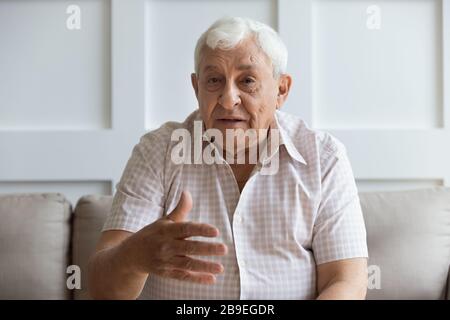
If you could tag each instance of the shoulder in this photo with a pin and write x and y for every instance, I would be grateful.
(155, 145)
(160, 139)
(313, 144)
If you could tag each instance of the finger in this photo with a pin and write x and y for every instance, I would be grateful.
(184, 275)
(201, 248)
(183, 207)
(190, 264)
(181, 230)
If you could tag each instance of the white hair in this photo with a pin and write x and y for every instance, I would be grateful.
(226, 33)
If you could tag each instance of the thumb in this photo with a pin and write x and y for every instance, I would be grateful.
(183, 207)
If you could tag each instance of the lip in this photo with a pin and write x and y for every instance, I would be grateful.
(231, 119)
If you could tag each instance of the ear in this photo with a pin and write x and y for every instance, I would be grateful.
(284, 85)
(194, 82)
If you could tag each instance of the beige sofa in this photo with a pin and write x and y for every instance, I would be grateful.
(40, 236)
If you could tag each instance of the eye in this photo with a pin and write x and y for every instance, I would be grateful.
(248, 81)
(213, 80)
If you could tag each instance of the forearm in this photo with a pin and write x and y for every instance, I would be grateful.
(111, 275)
(343, 290)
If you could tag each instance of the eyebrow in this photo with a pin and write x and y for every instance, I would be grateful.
(240, 67)
(210, 67)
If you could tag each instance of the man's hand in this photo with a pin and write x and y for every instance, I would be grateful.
(123, 260)
(161, 248)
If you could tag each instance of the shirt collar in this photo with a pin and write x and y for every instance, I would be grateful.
(284, 138)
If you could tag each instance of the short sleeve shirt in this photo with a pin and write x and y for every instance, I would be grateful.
(278, 229)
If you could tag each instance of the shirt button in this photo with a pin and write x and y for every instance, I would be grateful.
(238, 219)
(242, 264)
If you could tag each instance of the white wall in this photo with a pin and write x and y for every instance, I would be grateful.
(73, 102)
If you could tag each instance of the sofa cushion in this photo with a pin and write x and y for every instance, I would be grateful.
(89, 216)
(408, 234)
(34, 246)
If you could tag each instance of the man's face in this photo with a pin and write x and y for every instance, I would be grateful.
(237, 89)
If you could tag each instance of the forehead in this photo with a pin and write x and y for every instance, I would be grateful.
(246, 55)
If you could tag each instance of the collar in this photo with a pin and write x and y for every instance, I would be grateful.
(284, 139)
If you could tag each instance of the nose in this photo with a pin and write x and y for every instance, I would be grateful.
(229, 97)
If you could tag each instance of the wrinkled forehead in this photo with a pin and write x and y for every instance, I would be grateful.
(246, 55)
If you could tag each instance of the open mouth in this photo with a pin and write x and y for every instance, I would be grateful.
(231, 120)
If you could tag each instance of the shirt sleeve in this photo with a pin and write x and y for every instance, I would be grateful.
(339, 231)
(139, 198)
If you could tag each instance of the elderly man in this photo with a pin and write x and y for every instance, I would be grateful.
(226, 229)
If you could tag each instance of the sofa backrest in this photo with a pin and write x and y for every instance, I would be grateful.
(34, 246)
(408, 235)
(89, 216)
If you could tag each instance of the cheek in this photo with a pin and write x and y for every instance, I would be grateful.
(207, 103)
(261, 111)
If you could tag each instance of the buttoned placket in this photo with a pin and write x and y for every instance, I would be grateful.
(238, 223)
(238, 220)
